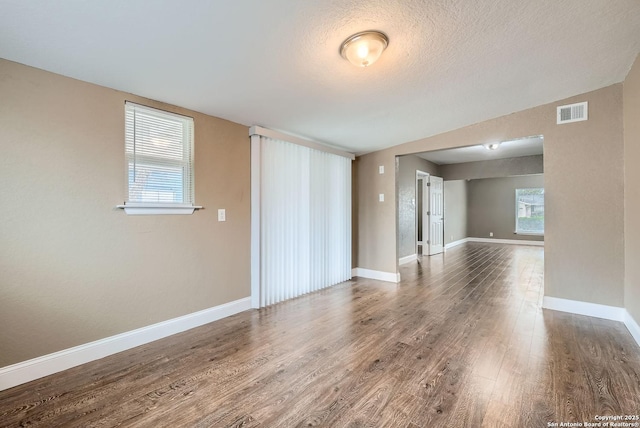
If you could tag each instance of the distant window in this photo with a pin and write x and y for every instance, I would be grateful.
(530, 211)
(159, 156)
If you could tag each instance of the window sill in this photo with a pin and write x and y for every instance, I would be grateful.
(528, 233)
(158, 209)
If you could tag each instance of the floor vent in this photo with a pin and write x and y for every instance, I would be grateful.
(573, 113)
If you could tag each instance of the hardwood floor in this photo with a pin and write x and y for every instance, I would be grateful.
(461, 342)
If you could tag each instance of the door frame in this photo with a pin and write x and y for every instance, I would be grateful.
(424, 176)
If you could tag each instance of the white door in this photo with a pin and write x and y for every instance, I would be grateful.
(436, 215)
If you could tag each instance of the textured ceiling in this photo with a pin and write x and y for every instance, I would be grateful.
(276, 63)
(528, 146)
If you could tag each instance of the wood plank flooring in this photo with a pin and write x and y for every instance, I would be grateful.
(461, 342)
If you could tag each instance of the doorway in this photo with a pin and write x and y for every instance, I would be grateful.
(429, 214)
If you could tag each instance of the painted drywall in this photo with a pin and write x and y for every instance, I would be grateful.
(632, 190)
(492, 206)
(376, 245)
(354, 213)
(523, 165)
(583, 254)
(455, 211)
(407, 204)
(73, 267)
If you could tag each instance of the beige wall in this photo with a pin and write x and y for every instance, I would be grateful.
(376, 221)
(407, 204)
(632, 190)
(455, 211)
(354, 213)
(523, 165)
(492, 206)
(583, 254)
(73, 268)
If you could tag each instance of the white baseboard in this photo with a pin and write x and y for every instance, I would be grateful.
(407, 259)
(376, 274)
(613, 313)
(36, 368)
(632, 326)
(506, 241)
(493, 241)
(456, 243)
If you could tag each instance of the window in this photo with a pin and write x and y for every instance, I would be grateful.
(159, 160)
(530, 211)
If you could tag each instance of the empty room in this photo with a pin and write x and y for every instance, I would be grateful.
(330, 213)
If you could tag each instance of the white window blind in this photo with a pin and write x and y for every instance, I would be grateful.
(304, 219)
(159, 157)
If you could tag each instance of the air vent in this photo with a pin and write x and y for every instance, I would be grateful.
(573, 113)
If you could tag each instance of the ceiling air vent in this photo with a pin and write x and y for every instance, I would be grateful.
(573, 113)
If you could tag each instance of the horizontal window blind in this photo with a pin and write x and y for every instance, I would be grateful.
(159, 156)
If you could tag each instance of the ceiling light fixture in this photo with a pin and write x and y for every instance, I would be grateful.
(363, 49)
(491, 146)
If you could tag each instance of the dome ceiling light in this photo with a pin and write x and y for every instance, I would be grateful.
(492, 146)
(364, 48)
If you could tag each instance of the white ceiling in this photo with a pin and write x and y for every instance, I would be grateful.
(276, 63)
(528, 146)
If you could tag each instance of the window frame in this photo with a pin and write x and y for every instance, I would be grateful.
(186, 163)
(516, 229)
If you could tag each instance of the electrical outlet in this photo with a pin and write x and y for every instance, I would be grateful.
(381, 197)
(490, 234)
(381, 169)
(222, 215)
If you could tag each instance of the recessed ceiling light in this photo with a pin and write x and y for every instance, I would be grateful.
(492, 146)
(363, 49)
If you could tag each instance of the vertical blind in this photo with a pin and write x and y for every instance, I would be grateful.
(305, 220)
(159, 156)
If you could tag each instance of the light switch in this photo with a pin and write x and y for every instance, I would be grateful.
(381, 197)
(222, 215)
(381, 169)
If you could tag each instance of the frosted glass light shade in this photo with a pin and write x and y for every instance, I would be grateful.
(363, 49)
